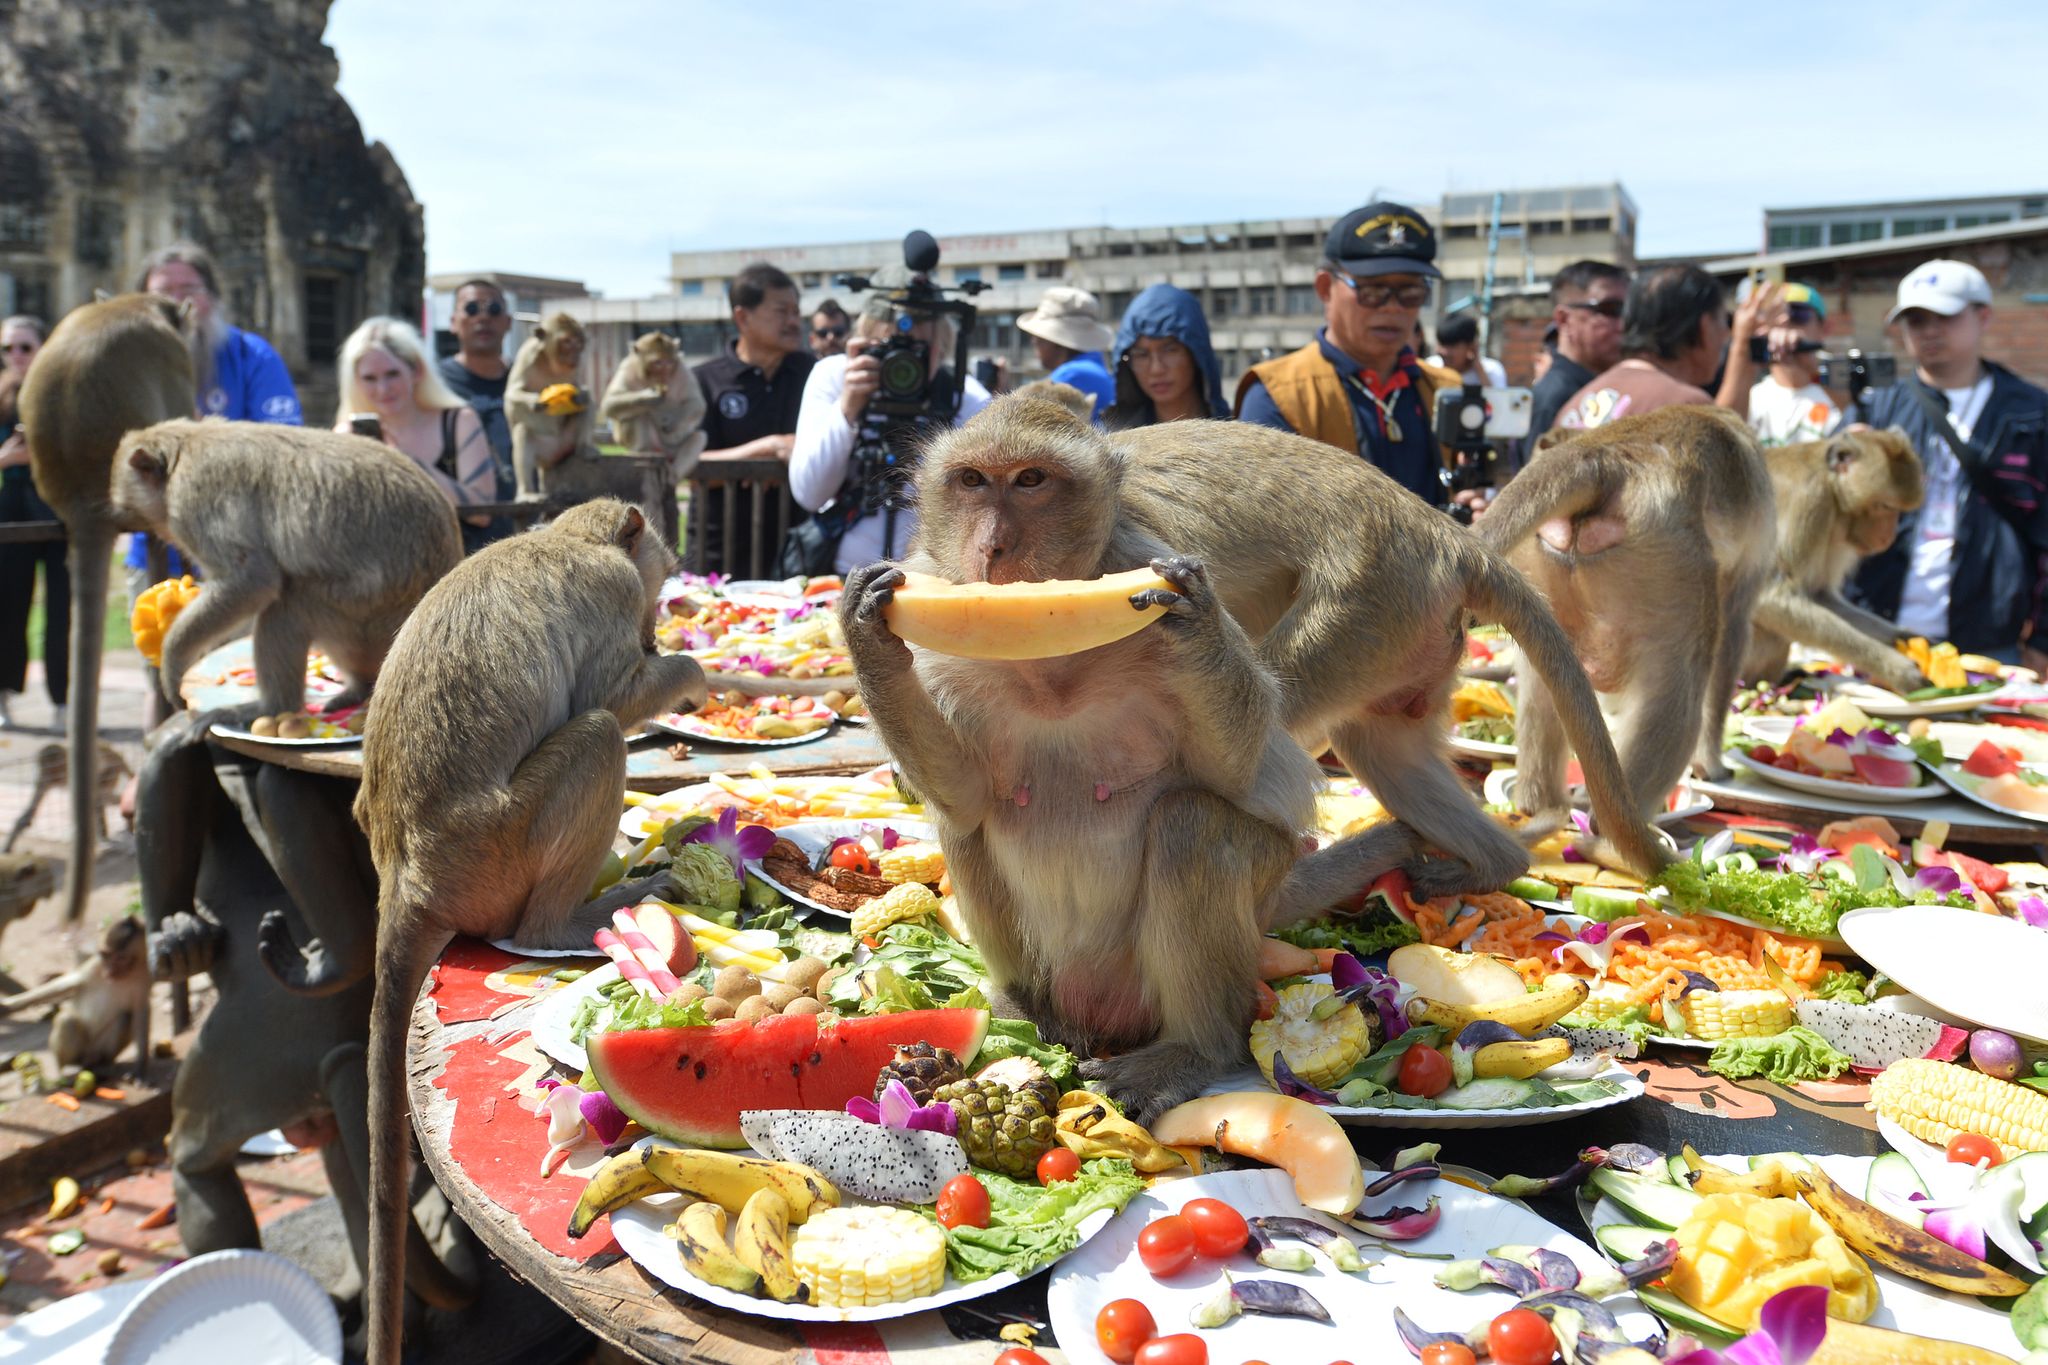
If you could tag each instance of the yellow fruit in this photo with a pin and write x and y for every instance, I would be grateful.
(1319, 1051)
(1737, 1250)
(861, 1257)
(155, 608)
(559, 400)
(1020, 620)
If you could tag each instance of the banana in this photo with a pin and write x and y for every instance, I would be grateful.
(1858, 1343)
(620, 1181)
(761, 1241)
(1526, 1014)
(65, 1198)
(700, 1238)
(1520, 1060)
(1772, 1180)
(729, 1180)
(1899, 1246)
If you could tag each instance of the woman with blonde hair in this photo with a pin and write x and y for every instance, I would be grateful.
(384, 372)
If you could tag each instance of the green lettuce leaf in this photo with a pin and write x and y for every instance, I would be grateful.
(1797, 1054)
(1030, 1224)
(1019, 1038)
(617, 1008)
(1366, 936)
(1850, 987)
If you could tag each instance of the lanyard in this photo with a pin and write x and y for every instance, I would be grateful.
(1385, 406)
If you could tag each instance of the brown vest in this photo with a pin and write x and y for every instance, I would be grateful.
(1311, 394)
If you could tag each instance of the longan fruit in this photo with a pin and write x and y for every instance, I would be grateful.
(689, 991)
(752, 1008)
(735, 983)
(803, 1004)
(825, 980)
(778, 995)
(805, 973)
(294, 727)
(717, 1007)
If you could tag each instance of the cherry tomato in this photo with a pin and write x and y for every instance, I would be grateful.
(1182, 1348)
(1424, 1072)
(1219, 1229)
(1764, 753)
(1122, 1327)
(1972, 1148)
(1167, 1245)
(1520, 1337)
(853, 856)
(1448, 1353)
(1017, 1355)
(1057, 1165)
(963, 1203)
(1789, 762)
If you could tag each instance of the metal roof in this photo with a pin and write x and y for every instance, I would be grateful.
(1885, 246)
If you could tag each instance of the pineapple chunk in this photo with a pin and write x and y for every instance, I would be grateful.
(1738, 1250)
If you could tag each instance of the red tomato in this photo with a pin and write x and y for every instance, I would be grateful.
(1122, 1327)
(1763, 753)
(1167, 1245)
(1520, 1337)
(1219, 1229)
(1017, 1355)
(1057, 1165)
(1971, 1148)
(853, 856)
(963, 1203)
(1787, 762)
(1182, 1348)
(1424, 1072)
(1448, 1353)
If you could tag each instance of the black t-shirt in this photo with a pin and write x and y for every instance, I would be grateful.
(742, 404)
(1565, 378)
(468, 384)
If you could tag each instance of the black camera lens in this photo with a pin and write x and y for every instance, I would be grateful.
(903, 374)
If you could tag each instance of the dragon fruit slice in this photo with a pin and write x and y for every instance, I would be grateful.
(865, 1160)
(1875, 1038)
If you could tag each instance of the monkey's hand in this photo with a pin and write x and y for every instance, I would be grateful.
(185, 944)
(1900, 674)
(311, 970)
(870, 589)
(1190, 604)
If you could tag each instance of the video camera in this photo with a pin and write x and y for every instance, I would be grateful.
(910, 399)
(1469, 423)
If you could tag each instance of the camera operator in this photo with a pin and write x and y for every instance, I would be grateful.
(1788, 405)
(834, 408)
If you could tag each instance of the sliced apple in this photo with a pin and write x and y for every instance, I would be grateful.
(669, 937)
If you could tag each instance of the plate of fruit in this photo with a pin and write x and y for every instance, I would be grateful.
(1482, 719)
(1841, 751)
(753, 723)
(1957, 683)
(301, 729)
(847, 867)
(1489, 653)
(1994, 776)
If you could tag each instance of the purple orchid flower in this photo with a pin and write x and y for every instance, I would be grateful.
(2034, 911)
(1352, 978)
(1790, 1329)
(605, 1119)
(898, 1108)
(1596, 944)
(1938, 879)
(741, 846)
(1805, 855)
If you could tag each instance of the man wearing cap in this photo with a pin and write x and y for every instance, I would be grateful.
(1068, 332)
(1788, 405)
(1967, 566)
(1359, 386)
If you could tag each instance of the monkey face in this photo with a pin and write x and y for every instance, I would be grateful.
(661, 371)
(1874, 530)
(566, 350)
(141, 480)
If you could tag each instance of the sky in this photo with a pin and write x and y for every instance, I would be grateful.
(589, 141)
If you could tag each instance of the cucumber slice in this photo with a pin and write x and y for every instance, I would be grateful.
(1653, 1201)
(1680, 1173)
(1530, 889)
(1679, 1314)
(1629, 1241)
(1892, 1179)
(1791, 1161)
(1604, 902)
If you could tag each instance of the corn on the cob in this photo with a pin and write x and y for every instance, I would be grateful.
(909, 900)
(1605, 1003)
(1319, 1051)
(1714, 1015)
(911, 863)
(860, 1257)
(1936, 1100)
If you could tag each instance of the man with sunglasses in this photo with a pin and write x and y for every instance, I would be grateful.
(1586, 299)
(1359, 386)
(477, 373)
(829, 329)
(1788, 405)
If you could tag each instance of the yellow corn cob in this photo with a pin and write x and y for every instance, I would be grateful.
(1605, 1003)
(1936, 1100)
(911, 863)
(909, 900)
(1319, 1051)
(1714, 1015)
(861, 1257)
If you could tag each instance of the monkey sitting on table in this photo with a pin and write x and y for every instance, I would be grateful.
(542, 439)
(1839, 500)
(1120, 824)
(326, 539)
(1652, 537)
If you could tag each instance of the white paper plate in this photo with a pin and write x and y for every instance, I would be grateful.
(229, 1306)
(1877, 701)
(1479, 748)
(550, 1022)
(226, 731)
(684, 725)
(1473, 1223)
(1984, 968)
(1251, 1079)
(1828, 786)
(682, 800)
(1905, 1305)
(1499, 789)
(638, 1230)
(1965, 785)
(815, 836)
(1959, 738)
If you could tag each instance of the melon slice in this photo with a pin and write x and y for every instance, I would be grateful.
(1020, 620)
(691, 1084)
(1281, 1131)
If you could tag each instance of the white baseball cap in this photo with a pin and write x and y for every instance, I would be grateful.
(1944, 287)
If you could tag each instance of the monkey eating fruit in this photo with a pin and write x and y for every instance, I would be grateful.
(105, 1002)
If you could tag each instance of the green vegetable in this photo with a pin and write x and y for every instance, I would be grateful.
(1808, 906)
(65, 1242)
(1364, 936)
(703, 876)
(1488, 730)
(915, 967)
(1849, 987)
(2030, 1317)
(1634, 1021)
(1797, 1054)
(758, 895)
(618, 1008)
(1382, 1066)
(1030, 1224)
(1019, 1038)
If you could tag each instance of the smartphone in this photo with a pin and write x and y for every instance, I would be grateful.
(366, 424)
(1493, 414)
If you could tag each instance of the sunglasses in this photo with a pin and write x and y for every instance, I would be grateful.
(1799, 314)
(1606, 308)
(829, 332)
(19, 346)
(472, 308)
(1380, 295)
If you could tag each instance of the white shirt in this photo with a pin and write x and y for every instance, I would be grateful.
(1781, 417)
(1491, 373)
(822, 448)
(1923, 605)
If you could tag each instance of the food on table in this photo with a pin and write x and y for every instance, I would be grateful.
(911, 861)
(878, 879)
(734, 716)
(799, 641)
(761, 797)
(1320, 1050)
(1058, 1165)
(1997, 1054)
(1488, 645)
(155, 608)
(963, 1203)
(922, 1068)
(1268, 1298)
(1993, 773)
(1735, 1251)
(725, 1179)
(847, 706)
(1974, 1149)
(1520, 1337)
(1167, 1245)
(1840, 743)
(761, 1241)
(1219, 1229)
(1006, 1117)
(1020, 620)
(1898, 1246)
(1950, 673)
(862, 1257)
(1424, 1071)
(1121, 1327)
(1292, 1134)
(692, 1083)
(1711, 1015)
(1875, 1038)
(1453, 978)
(1483, 711)
(699, 1231)
(901, 901)
(1935, 1101)
(869, 1161)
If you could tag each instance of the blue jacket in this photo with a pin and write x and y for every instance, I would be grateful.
(2001, 537)
(1087, 373)
(1163, 311)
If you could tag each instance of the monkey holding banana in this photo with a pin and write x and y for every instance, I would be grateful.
(324, 538)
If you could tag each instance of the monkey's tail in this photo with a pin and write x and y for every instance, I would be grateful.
(406, 948)
(91, 547)
(1567, 487)
(1498, 592)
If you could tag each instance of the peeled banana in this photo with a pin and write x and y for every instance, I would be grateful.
(1858, 1343)
(1899, 1246)
(761, 1241)
(1527, 1014)
(700, 1239)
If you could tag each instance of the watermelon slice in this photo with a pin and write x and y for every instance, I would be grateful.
(1989, 760)
(690, 1084)
(1885, 772)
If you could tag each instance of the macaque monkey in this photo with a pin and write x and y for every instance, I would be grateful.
(656, 406)
(105, 1002)
(1652, 537)
(109, 368)
(50, 770)
(1356, 595)
(1121, 824)
(493, 767)
(324, 538)
(1839, 500)
(542, 439)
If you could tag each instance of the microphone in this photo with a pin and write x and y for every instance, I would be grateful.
(920, 251)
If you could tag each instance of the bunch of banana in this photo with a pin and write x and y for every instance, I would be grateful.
(1527, 1014)
(756, 1263)
(1899, 1246)
(724, 1179)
